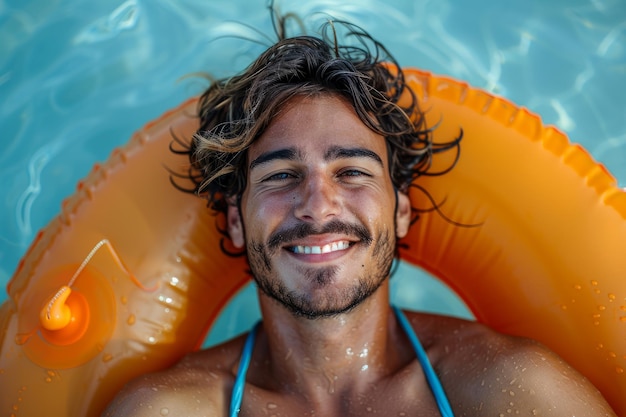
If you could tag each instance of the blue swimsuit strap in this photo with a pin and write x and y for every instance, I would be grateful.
(240, 381)
(429, 372)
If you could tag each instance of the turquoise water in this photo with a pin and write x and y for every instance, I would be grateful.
(77, 78)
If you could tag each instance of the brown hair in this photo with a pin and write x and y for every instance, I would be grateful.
(235, 111)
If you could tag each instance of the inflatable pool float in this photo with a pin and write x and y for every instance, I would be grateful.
(130, 275)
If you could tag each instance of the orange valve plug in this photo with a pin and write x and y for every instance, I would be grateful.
(65, 317)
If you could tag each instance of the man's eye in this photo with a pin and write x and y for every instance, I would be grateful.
(352, 173)
(280, 176)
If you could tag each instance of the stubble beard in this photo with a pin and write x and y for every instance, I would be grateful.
(332, 302)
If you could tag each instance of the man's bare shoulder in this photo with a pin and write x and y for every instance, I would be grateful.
(488, 373)
(199, 385)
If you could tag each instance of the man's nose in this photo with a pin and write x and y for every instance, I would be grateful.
(318, 200)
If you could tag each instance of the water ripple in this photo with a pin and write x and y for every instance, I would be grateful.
(123, 18)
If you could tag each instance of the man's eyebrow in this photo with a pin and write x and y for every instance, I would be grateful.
(287, 153)
(338, 152)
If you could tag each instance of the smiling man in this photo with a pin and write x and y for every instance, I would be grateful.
(309, 157)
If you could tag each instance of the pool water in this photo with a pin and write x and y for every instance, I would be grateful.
(77, 78)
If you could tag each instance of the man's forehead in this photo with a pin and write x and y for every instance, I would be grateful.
(317, 125)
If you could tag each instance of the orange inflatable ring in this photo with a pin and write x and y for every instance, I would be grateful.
(129, 277)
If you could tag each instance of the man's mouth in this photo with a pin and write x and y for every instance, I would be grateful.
(318, 250)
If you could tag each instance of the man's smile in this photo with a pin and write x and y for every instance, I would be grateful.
(318, 250)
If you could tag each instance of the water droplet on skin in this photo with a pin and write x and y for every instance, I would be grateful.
(164, 411)
(619, 370)
(107, 357)
(271, 406)
(131, 320)
(124, 300)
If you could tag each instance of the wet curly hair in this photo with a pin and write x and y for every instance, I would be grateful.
(235, 111)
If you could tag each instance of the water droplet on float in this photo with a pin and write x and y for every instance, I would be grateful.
(611, 297)
(619, 370)
(601, 307)
(107, 357)
(578, 287)
(21, 339)
(594, 282)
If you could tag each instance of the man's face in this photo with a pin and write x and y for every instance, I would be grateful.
(318, 216)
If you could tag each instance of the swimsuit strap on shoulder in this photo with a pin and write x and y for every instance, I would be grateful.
(429, 372)
(240, 380)
(431, 376)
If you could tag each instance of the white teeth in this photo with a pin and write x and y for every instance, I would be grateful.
(317, 250)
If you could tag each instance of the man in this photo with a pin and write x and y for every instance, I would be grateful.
(309, 157)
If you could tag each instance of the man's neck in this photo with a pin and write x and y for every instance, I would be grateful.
(335, 355)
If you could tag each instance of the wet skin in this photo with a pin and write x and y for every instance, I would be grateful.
(319, 219)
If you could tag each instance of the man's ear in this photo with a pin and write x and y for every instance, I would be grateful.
(235, 226)
(403, 214)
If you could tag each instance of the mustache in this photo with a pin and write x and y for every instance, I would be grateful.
(302, 230)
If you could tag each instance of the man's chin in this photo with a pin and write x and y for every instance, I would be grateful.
(323, 302)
